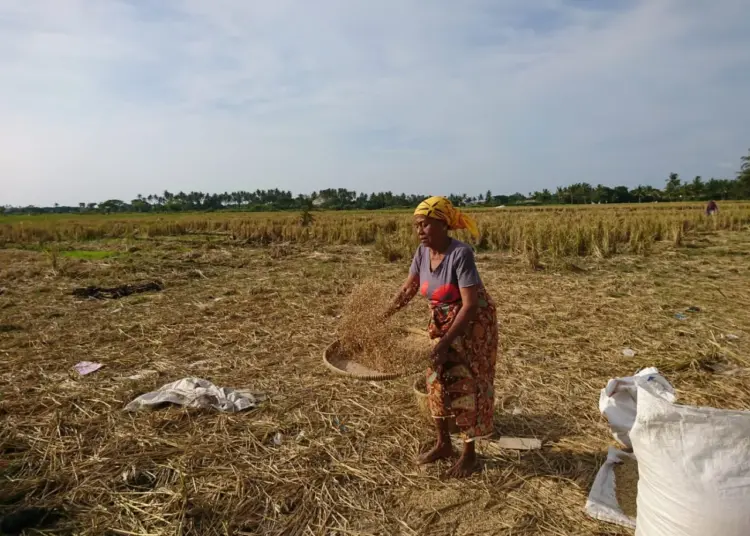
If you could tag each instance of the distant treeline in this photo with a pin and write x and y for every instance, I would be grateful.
(675, 189)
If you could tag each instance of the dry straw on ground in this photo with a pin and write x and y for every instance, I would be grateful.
(328, 455)
(626, 486)
(374, 341)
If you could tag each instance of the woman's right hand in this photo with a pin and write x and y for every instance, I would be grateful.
(405, 294)
(438, 357)
(439, 354)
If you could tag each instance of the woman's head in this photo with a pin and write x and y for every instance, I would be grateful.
(432, 232)
(435, 216)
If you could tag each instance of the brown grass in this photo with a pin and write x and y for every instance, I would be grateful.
(555, 231)
(343, 461)
(626, 486)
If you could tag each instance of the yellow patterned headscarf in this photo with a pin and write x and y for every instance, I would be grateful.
(440, 208)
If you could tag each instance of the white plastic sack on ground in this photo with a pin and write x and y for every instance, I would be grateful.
(198, 393)
(602, 501)
(618, 402)
(693, 465)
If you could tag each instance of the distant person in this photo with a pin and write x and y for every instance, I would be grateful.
(712, 208)
(463, 329)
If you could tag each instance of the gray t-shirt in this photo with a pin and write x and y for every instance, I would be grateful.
(456, 271)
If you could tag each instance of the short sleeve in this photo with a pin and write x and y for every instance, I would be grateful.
(467, 274)
(416, 262)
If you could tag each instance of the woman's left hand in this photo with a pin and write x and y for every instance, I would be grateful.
(439, 355)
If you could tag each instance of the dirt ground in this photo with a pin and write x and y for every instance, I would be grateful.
(327, 454)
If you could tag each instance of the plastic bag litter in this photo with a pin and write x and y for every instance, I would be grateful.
(618, 402)
(87, 367)
(198, 393)
(693, 464)
(602, 500)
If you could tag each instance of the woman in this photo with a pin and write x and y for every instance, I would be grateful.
(712, 208)
(463, 328)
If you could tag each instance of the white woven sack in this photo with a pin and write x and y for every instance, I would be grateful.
(693, 465)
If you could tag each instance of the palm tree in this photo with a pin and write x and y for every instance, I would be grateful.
(745, 162)
(744, 175)
(639, 192)
(561, 194)
(673, 186)
(697, 187)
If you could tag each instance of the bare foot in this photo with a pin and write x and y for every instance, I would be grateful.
(465, 466)
(440, 451)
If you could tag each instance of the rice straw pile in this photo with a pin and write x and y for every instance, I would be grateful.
(626, 486)
(374, 342)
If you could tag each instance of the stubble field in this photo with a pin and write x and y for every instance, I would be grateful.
(252, 301)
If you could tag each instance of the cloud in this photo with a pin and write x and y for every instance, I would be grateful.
(110, 98)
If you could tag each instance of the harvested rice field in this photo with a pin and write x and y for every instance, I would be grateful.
(325, 454)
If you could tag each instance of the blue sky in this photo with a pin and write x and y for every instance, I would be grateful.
(110, 98)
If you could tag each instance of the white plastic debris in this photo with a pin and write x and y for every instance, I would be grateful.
(87, 367)
(198, 393)
(628, 352)
(278, 439)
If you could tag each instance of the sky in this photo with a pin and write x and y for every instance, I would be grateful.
(105, 99)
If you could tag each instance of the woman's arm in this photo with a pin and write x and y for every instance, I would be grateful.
(408, 290)
(468, 312)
